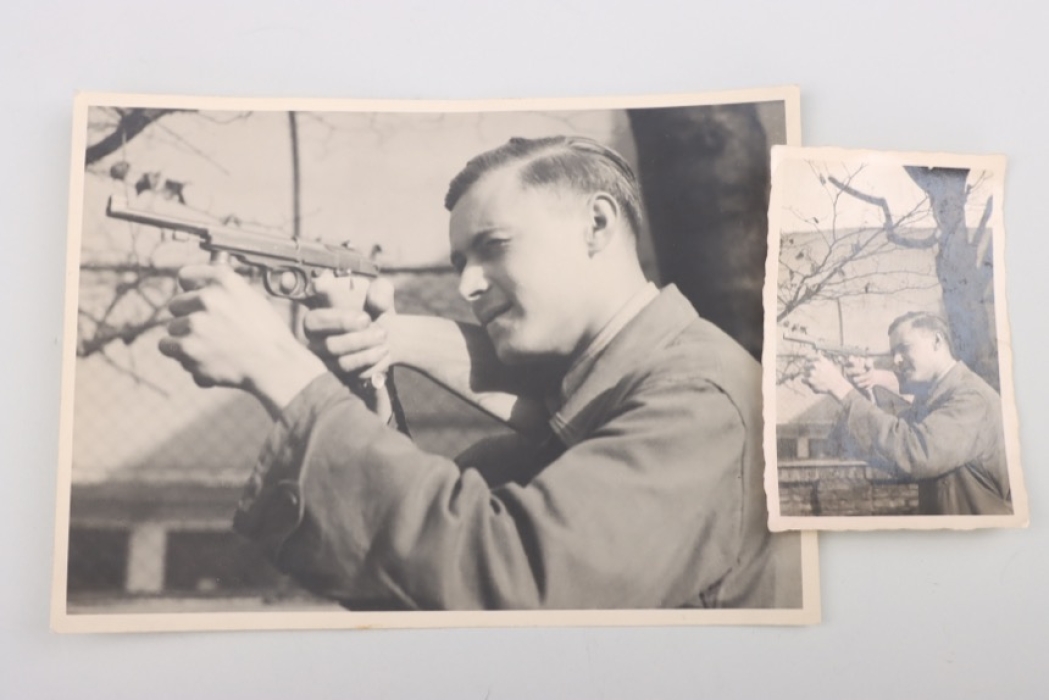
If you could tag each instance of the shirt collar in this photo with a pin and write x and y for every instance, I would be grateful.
(946, 381)
(581, 367)
(646, 331)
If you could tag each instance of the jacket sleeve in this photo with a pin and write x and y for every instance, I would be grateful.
(945, 439)
(646, 512)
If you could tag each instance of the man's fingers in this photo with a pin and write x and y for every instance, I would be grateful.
(822, 361)
(182, 350)
(346, 343)
(193, 277)
(322, 322)
(185, 350)
(170, 347)
(198, 300)
(357, 361)
(180, 326)
(186, 303)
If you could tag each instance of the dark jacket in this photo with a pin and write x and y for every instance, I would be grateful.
(950, 441)
(649, 495)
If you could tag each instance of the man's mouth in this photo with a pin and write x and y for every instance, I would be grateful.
(486, 316)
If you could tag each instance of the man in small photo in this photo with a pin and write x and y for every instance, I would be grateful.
(948, 438)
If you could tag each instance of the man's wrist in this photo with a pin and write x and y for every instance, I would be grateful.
(283, 376)
(842, 389)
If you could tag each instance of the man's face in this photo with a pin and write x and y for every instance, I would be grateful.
(916, 357)
(522, 257)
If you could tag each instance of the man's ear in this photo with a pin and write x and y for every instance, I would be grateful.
(603, 223)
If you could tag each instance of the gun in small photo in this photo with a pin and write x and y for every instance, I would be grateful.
(841, 355)
(289, 266)
(838, 353)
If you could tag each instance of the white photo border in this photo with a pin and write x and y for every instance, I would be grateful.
(65, 622)
(993, 164)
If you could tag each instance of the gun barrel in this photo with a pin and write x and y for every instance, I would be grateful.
(117, 208)
(254, 248)
(842, 350)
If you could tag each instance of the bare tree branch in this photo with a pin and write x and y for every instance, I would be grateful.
(132, 123)
(130, 372)
(182, 142)
(127, 334)
(869, 199)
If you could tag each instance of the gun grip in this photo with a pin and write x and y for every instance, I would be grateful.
(333, 292)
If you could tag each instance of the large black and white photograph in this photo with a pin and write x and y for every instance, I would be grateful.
(888, 384)
(367, 364)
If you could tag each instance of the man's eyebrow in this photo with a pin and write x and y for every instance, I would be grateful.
(458, 257)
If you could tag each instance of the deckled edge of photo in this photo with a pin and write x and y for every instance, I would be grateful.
(994, 164)
(64, 622)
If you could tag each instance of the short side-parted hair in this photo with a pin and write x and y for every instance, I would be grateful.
(575, 162)
(927, 321)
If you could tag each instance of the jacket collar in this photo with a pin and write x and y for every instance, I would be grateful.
(580, 369)
(652, 329)
(950, 379)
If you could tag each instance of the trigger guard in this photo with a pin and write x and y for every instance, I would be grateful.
(271, 281)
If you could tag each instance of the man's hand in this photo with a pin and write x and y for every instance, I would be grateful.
(866, 376)
(824, 377)
(227, 334)
(345, 335)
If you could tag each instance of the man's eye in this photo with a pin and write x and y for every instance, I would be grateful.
(494, 246)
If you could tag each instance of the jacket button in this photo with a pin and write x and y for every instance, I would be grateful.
(292, 499)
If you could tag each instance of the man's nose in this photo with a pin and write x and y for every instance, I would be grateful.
(472, 282)
(897, 359)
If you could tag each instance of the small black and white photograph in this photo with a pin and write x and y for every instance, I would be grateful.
(888, 380)
(345, 364)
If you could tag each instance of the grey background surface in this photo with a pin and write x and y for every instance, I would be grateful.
(915, 614)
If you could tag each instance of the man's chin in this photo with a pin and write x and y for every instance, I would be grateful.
(910, 387)
(504, 349)
(511, 356)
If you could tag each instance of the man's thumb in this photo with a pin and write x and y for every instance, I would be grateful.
(335, 293)
(380, 298)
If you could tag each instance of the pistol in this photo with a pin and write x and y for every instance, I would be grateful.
(288, 266)
(458, 357)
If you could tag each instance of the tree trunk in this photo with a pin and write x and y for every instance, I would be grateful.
(965, 268)
(132, 123)
(705, 176)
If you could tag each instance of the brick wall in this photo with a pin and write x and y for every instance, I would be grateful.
(843, 490)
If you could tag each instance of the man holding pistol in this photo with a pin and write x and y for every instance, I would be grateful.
(949, 439)
(642, 490)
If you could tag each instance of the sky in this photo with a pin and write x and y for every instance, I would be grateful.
(367, 178)
(805, 197)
